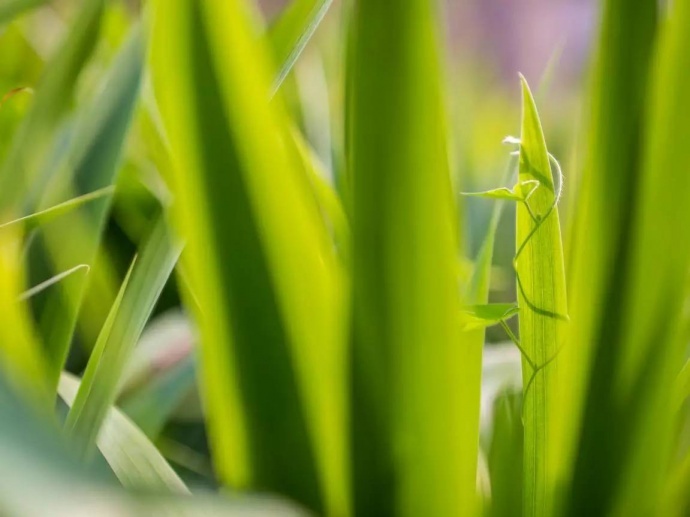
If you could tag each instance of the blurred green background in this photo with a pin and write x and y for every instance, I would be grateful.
(235, 240)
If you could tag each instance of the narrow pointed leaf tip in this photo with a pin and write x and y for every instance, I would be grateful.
(521, 192)
(475, 317)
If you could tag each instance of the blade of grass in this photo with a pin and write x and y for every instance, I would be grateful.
(291, 32)
(90, 166)
(656, 291)
(130, 312)
(600, 251)
(478, 294)
(52, 281)
(22, 361)
(540, 275)
(329, 202)
(505, 455)
(415, 441)
(259, 260)
(675, 499)
(683, 384)
(131, 455)
(52, 100)
(478, 288)
(36, 219)
(34, 456)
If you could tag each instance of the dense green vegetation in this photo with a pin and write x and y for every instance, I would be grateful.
(238, 279)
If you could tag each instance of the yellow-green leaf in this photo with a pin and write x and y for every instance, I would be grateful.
(542, 298)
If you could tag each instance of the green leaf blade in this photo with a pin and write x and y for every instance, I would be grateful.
(129, 314)
(53, 96)
(90, 167)
(656, 288)
(292, 31)
(265, 273)
(600, 241)
(540, 277)
(133, 458)
(415, 376)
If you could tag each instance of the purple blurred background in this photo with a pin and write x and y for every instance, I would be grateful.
(516, 35)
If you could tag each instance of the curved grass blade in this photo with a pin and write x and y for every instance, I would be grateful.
(131, 455)
(259, 260)
(52, 281)
(540, 277)
(291, 33)
(36, 219)
(130, 312)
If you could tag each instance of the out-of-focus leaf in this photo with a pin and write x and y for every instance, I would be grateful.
(10, 9)
(634, 372)
(35, 458)
(217, 506)
(21, 360)
(676, 501)
(505, 454)
(599, 249)
(90, 166)
(683, 384)
(130, 312)
(480, 280)
(501, 371)
(166, 340)
(152, 405)
(160, 381)
(415, 377)
(133, 457)
(259, 260)
(616, 197)
(52, 100)
(327, 197)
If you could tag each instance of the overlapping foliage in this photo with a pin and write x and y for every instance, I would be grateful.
(330, 350)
